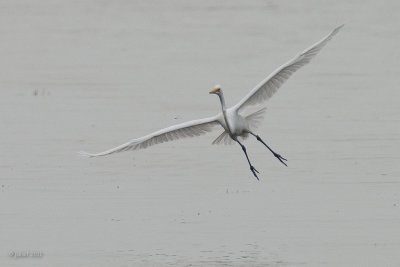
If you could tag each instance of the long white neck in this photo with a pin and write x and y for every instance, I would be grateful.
(222, 100)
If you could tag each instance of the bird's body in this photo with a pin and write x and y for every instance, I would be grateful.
(233, 121)
(236, 125)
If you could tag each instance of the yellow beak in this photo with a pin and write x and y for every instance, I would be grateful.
(215, 90)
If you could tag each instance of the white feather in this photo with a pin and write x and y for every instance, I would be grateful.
(268, 87)
(175, 132)
(234, 124)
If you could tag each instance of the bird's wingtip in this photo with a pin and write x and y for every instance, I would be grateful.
(85, 155)
(338, 28)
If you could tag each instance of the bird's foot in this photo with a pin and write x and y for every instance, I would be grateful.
(281, 159)
(254, 171)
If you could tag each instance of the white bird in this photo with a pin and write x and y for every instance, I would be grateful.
(234, 123)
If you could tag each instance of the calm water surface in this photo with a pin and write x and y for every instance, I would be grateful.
(88, 75)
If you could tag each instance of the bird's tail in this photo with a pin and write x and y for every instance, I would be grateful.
(223, 138)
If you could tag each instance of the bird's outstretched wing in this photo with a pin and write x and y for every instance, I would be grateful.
(183, 130)
(266, 88)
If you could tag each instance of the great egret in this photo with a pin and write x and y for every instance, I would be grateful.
(232, 120)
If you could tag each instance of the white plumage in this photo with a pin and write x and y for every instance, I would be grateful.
(232, 120)
(183, 130)
(268, 87)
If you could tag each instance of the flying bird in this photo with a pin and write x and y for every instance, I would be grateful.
(233, 120)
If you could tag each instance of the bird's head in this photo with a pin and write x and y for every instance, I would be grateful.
(216, 90)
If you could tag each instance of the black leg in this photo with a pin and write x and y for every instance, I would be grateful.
(253, 170)
(279, 157)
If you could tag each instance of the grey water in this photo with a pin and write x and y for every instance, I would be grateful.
(90, 75)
